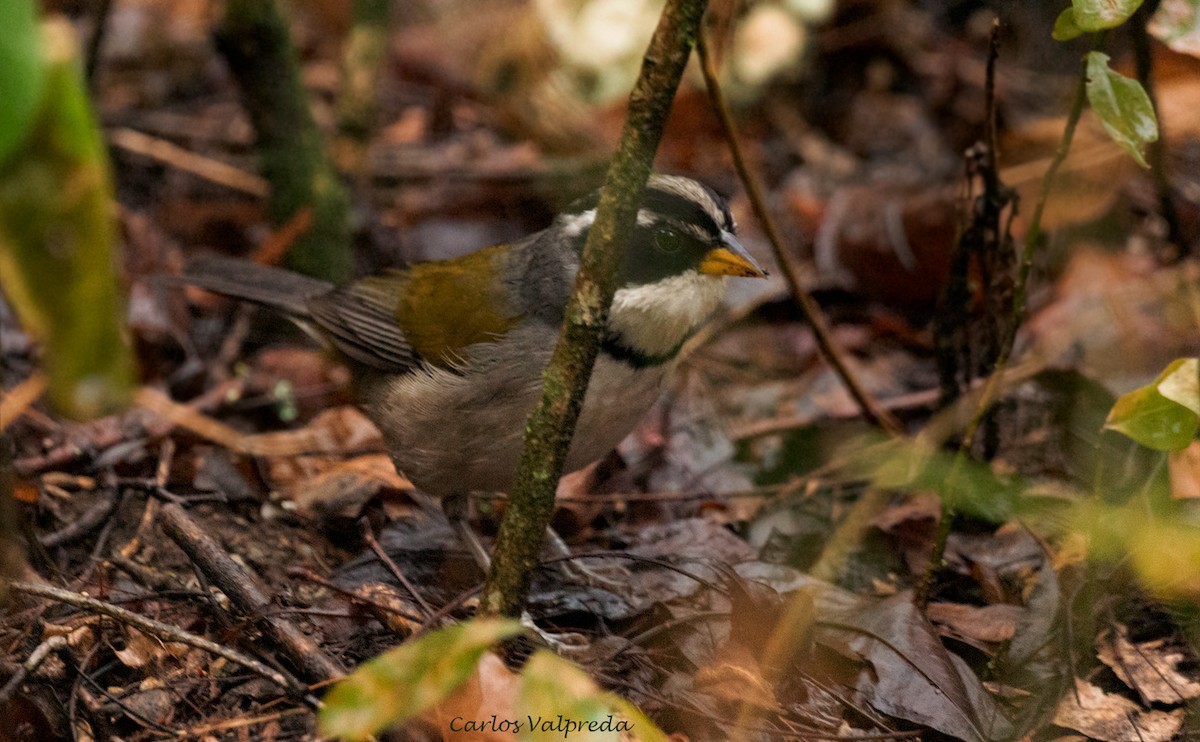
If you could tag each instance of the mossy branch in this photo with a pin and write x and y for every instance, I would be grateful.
(254, 39)
(549, 429)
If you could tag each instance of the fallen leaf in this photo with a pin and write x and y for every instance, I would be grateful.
(1184, 467)
(989, 623)
(1113, 718)
(479, 709)
(1152, 668)
(736, 677)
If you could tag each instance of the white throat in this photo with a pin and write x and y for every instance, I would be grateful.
(655, 318)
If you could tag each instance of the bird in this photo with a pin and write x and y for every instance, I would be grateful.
(446, 357)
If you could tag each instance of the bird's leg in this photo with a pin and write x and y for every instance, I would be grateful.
(457, 507)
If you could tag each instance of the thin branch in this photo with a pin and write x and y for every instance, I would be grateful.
(163, 631)
(36, 657)
(549, 429)
(246, 591)
(808, 306)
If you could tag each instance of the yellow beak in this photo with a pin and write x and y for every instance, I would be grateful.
(731, 259)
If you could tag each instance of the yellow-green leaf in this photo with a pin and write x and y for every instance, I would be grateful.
(1122, 105)
(1065, 27)
(1176, 23)
(58, 242)
(410, 679)
(1164, 415)
(558, 700)
(1097, 15)
(22, 74)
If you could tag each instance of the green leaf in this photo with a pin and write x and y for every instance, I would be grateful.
(1164, 415)
(22, 73)
(1176, 23)
(559, 701)
(58, 241)
(1097, 15)
(1065, 27)
(1122, 105)
(410, 679)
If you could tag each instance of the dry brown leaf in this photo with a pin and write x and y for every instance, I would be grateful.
(1151, 668)
(141, 650)
(338, 430)
(989, 623)
(322, 486)
(1118, 318)
(1184, 467)
(736, 677)
(15, 401)
(1114, 718)
(490, 692)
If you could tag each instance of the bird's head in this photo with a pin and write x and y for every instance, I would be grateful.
(683, 227)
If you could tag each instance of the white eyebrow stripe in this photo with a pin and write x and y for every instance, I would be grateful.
(574, 225)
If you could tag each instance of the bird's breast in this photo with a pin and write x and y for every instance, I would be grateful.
(462, 431)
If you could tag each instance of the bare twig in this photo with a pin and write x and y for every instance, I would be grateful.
(246, 591)
(36, 657)
(17, 400)
(808, 306)
(163, 631)
(84, 524)
(175, 156)
(1033, 240)
(373, 543)
(109, 432)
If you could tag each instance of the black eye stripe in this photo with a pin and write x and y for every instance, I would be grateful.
(677, 208)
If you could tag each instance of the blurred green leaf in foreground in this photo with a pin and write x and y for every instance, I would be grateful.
(58, 237)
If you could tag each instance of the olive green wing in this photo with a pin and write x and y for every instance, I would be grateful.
(428, 312)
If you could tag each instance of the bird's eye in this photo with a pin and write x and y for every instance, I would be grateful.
(668, 240)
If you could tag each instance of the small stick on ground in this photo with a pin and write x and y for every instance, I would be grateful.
(246, 591)
(84, 524)
(163, 631)
(808, 306)
(36, 657)
(369, 537)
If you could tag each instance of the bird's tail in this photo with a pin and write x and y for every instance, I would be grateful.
(272, 287)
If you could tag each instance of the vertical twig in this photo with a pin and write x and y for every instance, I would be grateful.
(1157, 149)
(96, 42)
(1033, 239)
(968, 334)
(548, 431)
(808, 306)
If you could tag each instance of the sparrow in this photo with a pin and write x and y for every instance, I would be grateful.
(446, 357)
